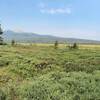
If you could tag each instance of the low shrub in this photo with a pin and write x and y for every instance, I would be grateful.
(2, 95)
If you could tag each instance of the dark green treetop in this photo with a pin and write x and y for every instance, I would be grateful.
(1, 32)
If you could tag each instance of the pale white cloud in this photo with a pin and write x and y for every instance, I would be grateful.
(44, 8)
(56, 10)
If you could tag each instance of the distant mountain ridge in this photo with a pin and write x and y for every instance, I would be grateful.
(37, 38)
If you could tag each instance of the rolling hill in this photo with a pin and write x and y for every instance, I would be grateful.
(37, 38)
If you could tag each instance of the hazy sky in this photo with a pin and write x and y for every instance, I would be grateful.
(66, 18)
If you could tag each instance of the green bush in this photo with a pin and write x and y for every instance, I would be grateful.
(73, 46)
(43, 73)
(2, 95)
(4, 63)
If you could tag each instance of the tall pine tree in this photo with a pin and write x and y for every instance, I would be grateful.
(1, 39)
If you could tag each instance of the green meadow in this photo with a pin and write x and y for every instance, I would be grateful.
(41, 72)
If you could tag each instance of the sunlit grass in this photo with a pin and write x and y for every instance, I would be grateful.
(41, 72)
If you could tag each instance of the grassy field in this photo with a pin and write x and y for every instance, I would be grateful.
(40, 72)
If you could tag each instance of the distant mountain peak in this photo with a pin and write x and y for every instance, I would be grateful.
(28, 37)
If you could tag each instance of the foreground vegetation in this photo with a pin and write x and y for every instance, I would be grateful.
(41, 72)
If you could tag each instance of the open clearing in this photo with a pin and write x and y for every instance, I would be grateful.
(40, 72)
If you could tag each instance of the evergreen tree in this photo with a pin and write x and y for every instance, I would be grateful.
(75, 46)
(56, 44)
(1, 39)
(13, 42)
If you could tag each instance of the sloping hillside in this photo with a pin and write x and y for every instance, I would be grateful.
(37, 38)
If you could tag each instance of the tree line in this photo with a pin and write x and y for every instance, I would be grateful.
(56, 44)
